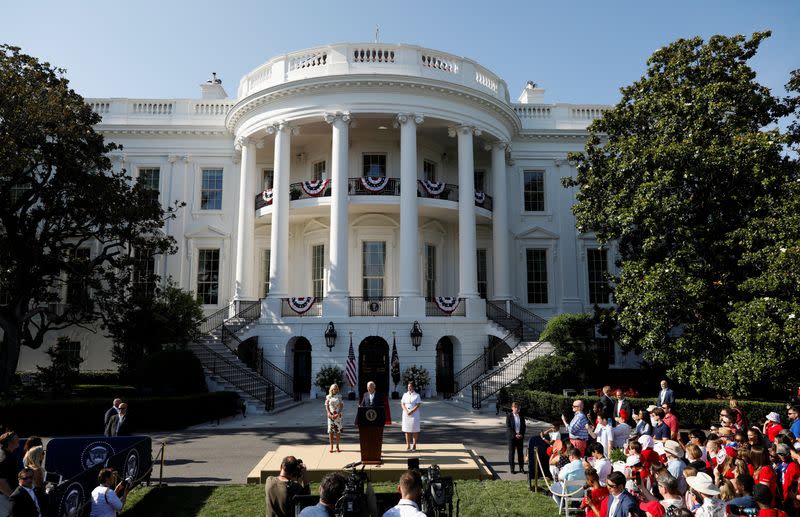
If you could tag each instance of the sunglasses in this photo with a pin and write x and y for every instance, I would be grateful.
(25, 478)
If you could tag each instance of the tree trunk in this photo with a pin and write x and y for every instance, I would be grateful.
(9, 357)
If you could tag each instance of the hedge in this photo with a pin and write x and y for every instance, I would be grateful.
(691, 413)
(82, 416)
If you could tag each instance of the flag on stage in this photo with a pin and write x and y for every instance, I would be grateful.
(395, 364)
(351, 366)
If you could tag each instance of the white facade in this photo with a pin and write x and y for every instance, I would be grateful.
(340, 113)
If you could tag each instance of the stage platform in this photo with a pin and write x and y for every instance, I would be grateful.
(453, 459)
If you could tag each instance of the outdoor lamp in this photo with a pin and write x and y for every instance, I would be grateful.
(416, 335)
(330, 336)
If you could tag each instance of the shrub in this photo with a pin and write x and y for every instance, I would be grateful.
(328, 375)
(569, 333)
(171, 371)
(418, 375)
(85, 416)
(548, 373)
(62, 373)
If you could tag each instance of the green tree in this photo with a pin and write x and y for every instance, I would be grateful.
(63, 372)
(59, 196)
(678, 173)
(572, 337)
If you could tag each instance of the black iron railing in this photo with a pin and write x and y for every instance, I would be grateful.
(433, 310)
(355, 187)
(383, 306)
(499, 315)
(481, 365)
(279, 378)
(533, 324)
(314, 310)
(215, 320)
(242, 378)
(502, 376)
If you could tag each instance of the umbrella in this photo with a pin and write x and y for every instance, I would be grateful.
(395, 364)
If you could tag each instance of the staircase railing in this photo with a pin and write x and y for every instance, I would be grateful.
(533, 323)
(243, 378)
(499, 315)
(482, 364)
(215, 321)
(501, 377)
(278, 377)
(248, 313)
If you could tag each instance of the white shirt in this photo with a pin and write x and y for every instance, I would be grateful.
(405, 508)
(614, 503)
(516, 423)
(105, 502)
(371, 397)
(33, 496)
(603, 468)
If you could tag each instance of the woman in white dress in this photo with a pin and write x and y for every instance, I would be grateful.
(334, 406)
(411, 403)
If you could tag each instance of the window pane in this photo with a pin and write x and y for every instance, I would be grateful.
(429, 170)
(597, 263)
(534, 191)
(208, 276)
(211, 193)
(375, 165)
(318, 270)
(77, 281)
(318, 171)
(265, 272)
(480, 181)
(536, 265)
(373, 262)
(144, 270)
(430, 271)
(482, 274)
(269, 174)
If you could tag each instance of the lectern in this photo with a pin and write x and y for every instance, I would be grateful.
(370, 421)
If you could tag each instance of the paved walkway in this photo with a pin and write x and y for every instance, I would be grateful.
(225, 452)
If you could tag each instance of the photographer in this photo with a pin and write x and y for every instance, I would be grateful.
(106, 502)
(331, 489)
(292, 481)
(410, 488)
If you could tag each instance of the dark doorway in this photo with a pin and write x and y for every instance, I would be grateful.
(498, 349)
(444, 367)
(301, 370)
(373, 364)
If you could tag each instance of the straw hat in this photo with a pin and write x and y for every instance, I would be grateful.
(703, 483)
(650, 408)
(674, 448)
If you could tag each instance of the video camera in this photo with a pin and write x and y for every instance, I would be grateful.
(738, 510)
(437, 493)
(353, 502)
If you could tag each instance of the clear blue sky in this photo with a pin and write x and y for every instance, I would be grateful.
(578, 51)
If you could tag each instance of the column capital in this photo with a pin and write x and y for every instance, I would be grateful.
(281, 125)
(464, 130)
(172, 158)
(403, 118)
(500, 145)
(241, 141)
(332, 117)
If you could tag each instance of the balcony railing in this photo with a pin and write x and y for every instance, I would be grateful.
(383, 306)
(358, 187)
(314, 310)
(432, 309)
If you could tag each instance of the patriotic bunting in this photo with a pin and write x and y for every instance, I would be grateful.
(315, 188)
(374, 183)
(480, 197)
(267, 196)
(433, 188)
(446, 304)
(302, 304)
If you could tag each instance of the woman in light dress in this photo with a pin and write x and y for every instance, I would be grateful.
(411, 403)
(334, 406)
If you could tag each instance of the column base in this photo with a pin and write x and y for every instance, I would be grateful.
(271, 309)
(476, 308)
(412, 307)
(336, 306)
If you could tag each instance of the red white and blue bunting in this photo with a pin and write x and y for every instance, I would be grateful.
(301, 304)
(315, 188)
(480, 197)
(446, 304)
(433, 188)
(374, 183)
(267, 196)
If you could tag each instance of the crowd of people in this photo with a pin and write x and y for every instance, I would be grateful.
(733, 468)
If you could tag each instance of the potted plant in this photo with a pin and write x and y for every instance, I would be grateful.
(327, 375)
(419, 376)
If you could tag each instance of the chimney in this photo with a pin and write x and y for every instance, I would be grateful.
(212, 89)
(532, 94)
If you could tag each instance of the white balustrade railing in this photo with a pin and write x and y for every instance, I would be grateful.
(212, 108)
(482, 77)
(587, 113)
(100, 107)
(308, 60)
(161, 111)
(525, 111)
(152, 108)
(372, 55)
(440, 62)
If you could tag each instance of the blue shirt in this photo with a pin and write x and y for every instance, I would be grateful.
(795, 428)
(577, 427)
(746, 501)
(661, 432)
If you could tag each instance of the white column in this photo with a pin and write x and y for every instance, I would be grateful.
(500, 255)
(279, 238)
(244, 229)
(467, 240)
(338, 288)
(411, 301)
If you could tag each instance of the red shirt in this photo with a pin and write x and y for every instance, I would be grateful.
(772, 430)
(771, 512)
(790, 477)
(766, 476)
(599, 495)
(649, 456)
(672, 422)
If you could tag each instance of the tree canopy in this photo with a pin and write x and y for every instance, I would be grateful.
(69, 222)
(689, 174)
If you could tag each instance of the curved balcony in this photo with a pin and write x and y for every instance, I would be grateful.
(373, 187)
(373, 59)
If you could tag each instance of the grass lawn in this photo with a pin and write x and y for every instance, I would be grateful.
(478, 499)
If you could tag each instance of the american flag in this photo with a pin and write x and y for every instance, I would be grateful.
(351, 365)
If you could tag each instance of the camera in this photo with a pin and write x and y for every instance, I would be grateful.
(437, 493)
(738, 510)
(353, 502)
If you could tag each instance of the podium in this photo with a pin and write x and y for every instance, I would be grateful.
(370, 422)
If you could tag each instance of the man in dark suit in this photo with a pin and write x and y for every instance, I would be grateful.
(619, 503)
(25, 500)
(622, 409)
(371, 397)
(665, 396)
(515, 432)
(607, 402)
(113, 410)
(119, 425)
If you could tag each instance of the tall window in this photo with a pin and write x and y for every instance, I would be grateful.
(430, 271)
(268, 177)
(265, 272)
(208, 276)
(144, 269)
(482, 273)
(318, 171)
(429, 170)
(211, 192)
(536, 262)
(77, 286)
(373, 259)
(150, 179)
(375, 165)
(480, 181)
(318, 270)
(71, 348)
(597, 261)
(534, 191)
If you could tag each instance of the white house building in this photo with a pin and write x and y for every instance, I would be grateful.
(365, 188)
